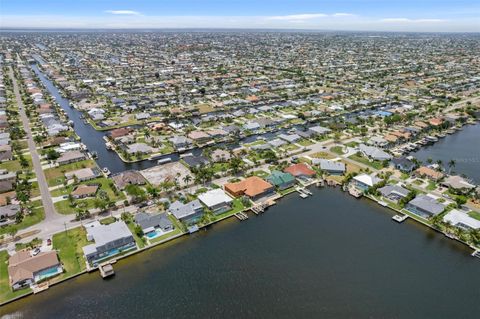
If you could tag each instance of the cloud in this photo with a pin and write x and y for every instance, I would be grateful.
(123, 12)
(296, 17)
(342, 14)
(406, 20)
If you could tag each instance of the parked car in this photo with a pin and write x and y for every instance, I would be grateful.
(36, 251)
(49, 242)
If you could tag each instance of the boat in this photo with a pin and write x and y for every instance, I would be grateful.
(106, 270)
(192, 229)
(164, 160)
(106, 171)
(384, 204)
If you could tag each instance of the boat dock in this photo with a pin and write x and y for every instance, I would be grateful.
(241, 216)
(476, 253)
(40, 287)
(304, 193)
(106, 270)
(354, 192)
(399, 218)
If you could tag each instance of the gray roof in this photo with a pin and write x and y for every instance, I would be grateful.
(428, 204)
(374, 152)
(393, 189)
(149, 220)
(104, 234)
(328, 165)
(180, 210)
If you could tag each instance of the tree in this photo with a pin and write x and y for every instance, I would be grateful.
(12, 231)
(187, 179)
(451, 164)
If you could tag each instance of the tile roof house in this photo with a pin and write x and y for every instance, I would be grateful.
(425, 206)
(458, 183)
(70, 157)
(216, 200)
(24, 269)
(131, 177)
(300, 170)
(82, 191)
(254, 187)
(432, 174)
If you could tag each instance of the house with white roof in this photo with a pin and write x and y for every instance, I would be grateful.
(216, 200)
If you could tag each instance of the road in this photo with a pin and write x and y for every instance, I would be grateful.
(50, 212)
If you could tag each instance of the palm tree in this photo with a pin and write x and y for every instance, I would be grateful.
(451, 164)
(187, 179)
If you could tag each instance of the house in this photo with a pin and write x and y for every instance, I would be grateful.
(281, 180)
(82, 191)
(428, 172)
(461, 219)
(425, 206)
(319, 130)
(24, 269)
(403, 164)
(83, 174)
(329, 166)
(290, 138)
(109, 240)
(216, 200)
(119, 132)
(378, 141)
(394, 192)
(130, 177)
(220, 155)
(365, 181)
(374, 153)
(96, 114)
(139, 148)
(71, 157)
(196, 161)
(150, 223)
(199, 137)
(180, 142)
(9, 212)
(189, 213)
(458, 183)
(254, 187)
(276, 142)
(300, 170)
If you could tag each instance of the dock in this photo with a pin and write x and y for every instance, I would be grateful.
(258, 208)
(476, 253)
(354, 192)
(304, 193)
(106, 270)
(40, 287)
(241, 216)
(399, 218)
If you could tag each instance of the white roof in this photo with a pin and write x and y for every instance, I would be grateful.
(367, 179)
(456, 216)
(214, 197)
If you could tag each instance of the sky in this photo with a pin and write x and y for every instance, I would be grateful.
(364, 15)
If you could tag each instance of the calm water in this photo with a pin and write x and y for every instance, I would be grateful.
(463, 147)
(328, 256)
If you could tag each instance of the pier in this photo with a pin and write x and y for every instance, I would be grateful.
(400, 218)
(241, 216)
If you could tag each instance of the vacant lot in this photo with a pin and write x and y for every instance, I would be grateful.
(167, 172)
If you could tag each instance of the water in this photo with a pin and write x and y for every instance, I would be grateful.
(328, 256)
(462, 146)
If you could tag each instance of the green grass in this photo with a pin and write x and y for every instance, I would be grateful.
(108, 220)
(56, 175)
(175, 232)
(138, 240)
(6, 292)
(366, 161)
(237, 206)
(104, 185)
(304, 142)
(36, 216)
(337, 150)
(11, 166)
(475, 215)
(431, 186)
(69, 246)
(322, 155)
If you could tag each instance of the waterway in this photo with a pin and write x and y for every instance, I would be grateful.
(328, 256)
(463, 147)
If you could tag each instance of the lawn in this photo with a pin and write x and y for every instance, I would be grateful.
(11, 166)
(237, 206)
(69, 246)
(475, 215)
(175, 232)
(56, 175)
(431, 186)
(366, 161)
(322, 155)
(103, 181)
(108, 220)
(6, 292)
(304, 142)
(36, 216)
(337, 150)
(138, 240)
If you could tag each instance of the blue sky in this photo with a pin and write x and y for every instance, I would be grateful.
(390, 15)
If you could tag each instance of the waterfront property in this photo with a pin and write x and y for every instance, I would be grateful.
(154, 225)
(109, 240)
(216, 200)
(329, 166)
(393, 192)
(365, 181)
(254, 187)
(300, 171)
(425, 206)
(189, 213)
(26, 269)
(460, 218)
(281, 180)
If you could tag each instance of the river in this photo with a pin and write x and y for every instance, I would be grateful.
(328, 256)
(463, 147)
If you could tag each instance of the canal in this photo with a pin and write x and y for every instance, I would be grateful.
(328, 256)
(463, 147)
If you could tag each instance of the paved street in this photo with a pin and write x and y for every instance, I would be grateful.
(50, 212)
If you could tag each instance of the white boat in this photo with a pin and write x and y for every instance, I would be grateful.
(106, 171)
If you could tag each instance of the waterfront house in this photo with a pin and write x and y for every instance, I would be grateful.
(300, 170)
(281, 180)
(319, 130)
(70, 157)
(462, 219)
(365, 181)
(329, 166)
(458, 183)
(130, 177)
(25, 269)
(393, 192)
(403, 164)
(196, 161)
(254, 187)
(216, 200)
(139, 148)
(180, 142)
(109, 240)
(377, 141)
(374, 153)
(199, 137)
(83, 174)
(151, 223)
(189, 213)
(425, 206)
(220, 155)
(428, 172)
